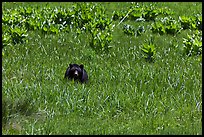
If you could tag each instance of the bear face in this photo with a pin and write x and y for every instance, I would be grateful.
(76, 72)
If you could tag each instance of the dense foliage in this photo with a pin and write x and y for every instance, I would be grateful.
(92, 19)
(144, 62)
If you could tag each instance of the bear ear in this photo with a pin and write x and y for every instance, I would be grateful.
(70, 65)
(81, 66)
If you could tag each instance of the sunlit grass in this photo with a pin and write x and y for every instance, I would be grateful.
(124, 95)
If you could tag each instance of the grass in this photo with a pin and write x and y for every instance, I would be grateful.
(125, 94)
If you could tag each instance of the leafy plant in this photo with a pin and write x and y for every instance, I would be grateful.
(140, 30)
(149, 51)
(120, 15)
(148, 13)
(61, 16)
(166, 25)
(158, 27)
(130, 30)
(165, 12)
(193, 44)
(172, 27)
(187, 22)
(193, 22)
(199, 22)
(26, 12)
(82, 17)
(18, 35)
(116, 15)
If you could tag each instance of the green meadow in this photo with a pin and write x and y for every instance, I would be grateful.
(144, 62)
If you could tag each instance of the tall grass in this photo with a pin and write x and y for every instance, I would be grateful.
(124, 95)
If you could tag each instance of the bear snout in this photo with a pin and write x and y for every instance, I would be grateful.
(76, 74)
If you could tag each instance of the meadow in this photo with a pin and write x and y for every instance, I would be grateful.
(144, 62)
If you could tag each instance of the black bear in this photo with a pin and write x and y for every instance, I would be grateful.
(76, 72)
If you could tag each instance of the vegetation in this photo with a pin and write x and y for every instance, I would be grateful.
(144, 62)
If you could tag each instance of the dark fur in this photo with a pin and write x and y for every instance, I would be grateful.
(76, 72)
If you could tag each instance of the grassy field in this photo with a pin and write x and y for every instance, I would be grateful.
(125, 93)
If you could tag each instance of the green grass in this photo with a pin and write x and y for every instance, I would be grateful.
(124, 95)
